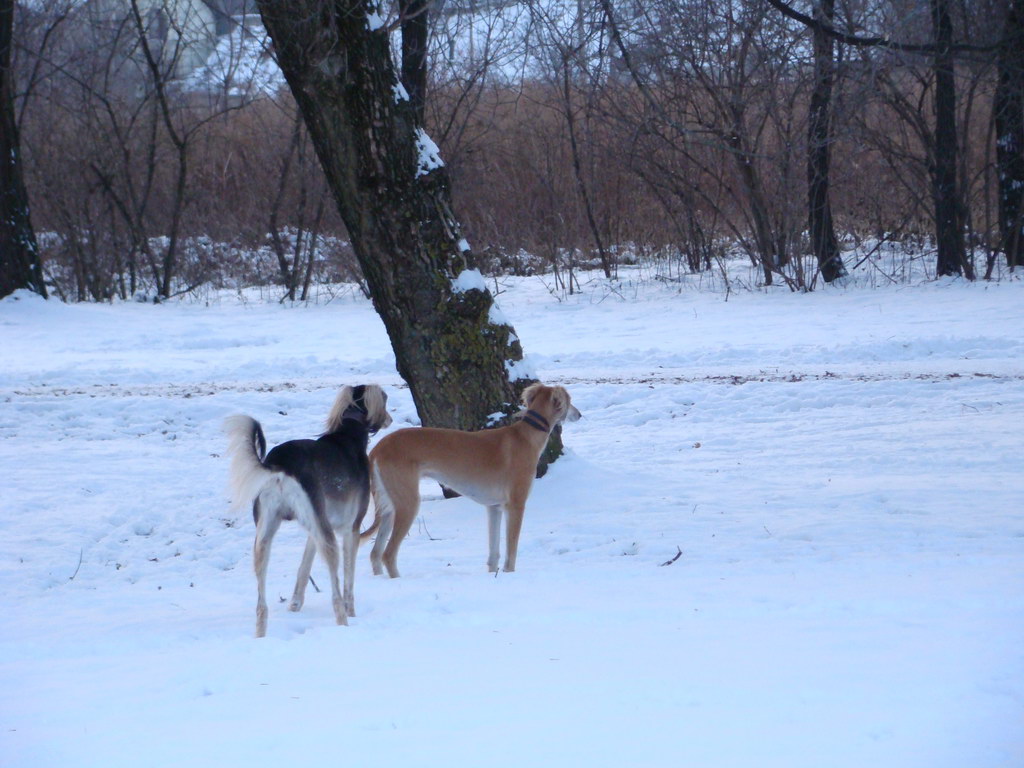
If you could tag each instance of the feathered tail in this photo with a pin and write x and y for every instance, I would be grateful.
(247, 447)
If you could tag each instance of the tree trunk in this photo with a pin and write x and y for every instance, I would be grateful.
(1008, 115)
(764, 239)
(819, 142)
(415, 35)
(577, 166)
(462, 362)
(20, 266)
(949, 236)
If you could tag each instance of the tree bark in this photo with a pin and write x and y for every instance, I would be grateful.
(20, 266)
(819, 130)
(952, 256)
(1008, 116)
(415, 36)
(462, 361)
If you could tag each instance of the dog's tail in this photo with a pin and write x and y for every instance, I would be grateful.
(247, 447)
(381, 502)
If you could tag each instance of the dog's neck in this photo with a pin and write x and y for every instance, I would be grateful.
(357, 414)
(536, 421)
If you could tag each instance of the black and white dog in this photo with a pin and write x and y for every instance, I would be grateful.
(322, 483)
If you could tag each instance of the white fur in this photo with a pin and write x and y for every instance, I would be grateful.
(247, 474)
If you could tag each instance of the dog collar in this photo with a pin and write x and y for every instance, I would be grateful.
(537, 421)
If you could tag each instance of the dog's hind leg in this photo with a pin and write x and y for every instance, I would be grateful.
(397, 491)
(267, 523)
(403, 519)
(299, 595)
(493, 537)
(387, 522)
(383, 516)
(350, 547)
(327, 544)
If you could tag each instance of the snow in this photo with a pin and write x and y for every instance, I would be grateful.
(375, 20)
(240, 66)
(496, 317)
(469, 280)
(839, 470)
(518, 370)
(428, 155)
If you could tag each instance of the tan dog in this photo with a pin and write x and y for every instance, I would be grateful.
(494, 467)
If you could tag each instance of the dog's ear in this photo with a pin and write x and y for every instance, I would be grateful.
(572, 413)
(376, 399)
(564, 406)
(341, 403)
(531, 392)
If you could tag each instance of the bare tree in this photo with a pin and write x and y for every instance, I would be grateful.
(571, 48)
(110, 134)
(942, 146)
(716, 89)
(1008, 119)
(819, 151)
(20, 266)
(949, 231)
(462, 361)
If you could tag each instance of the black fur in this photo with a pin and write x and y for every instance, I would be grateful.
(332, 468)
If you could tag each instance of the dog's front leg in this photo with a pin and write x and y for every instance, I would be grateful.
(513, 524)
(493, 538)
(299, 595)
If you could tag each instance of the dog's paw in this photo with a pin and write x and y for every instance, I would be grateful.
(295, 605)
(340, 614)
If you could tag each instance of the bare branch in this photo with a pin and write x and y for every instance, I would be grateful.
(873, 42)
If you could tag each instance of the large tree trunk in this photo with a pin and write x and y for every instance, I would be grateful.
(1008, 114)
(19, 254)
(819, 130)
(415, 36)
(462, 361)
(952, 256)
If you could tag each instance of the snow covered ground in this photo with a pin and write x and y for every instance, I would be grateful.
(841, 472)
